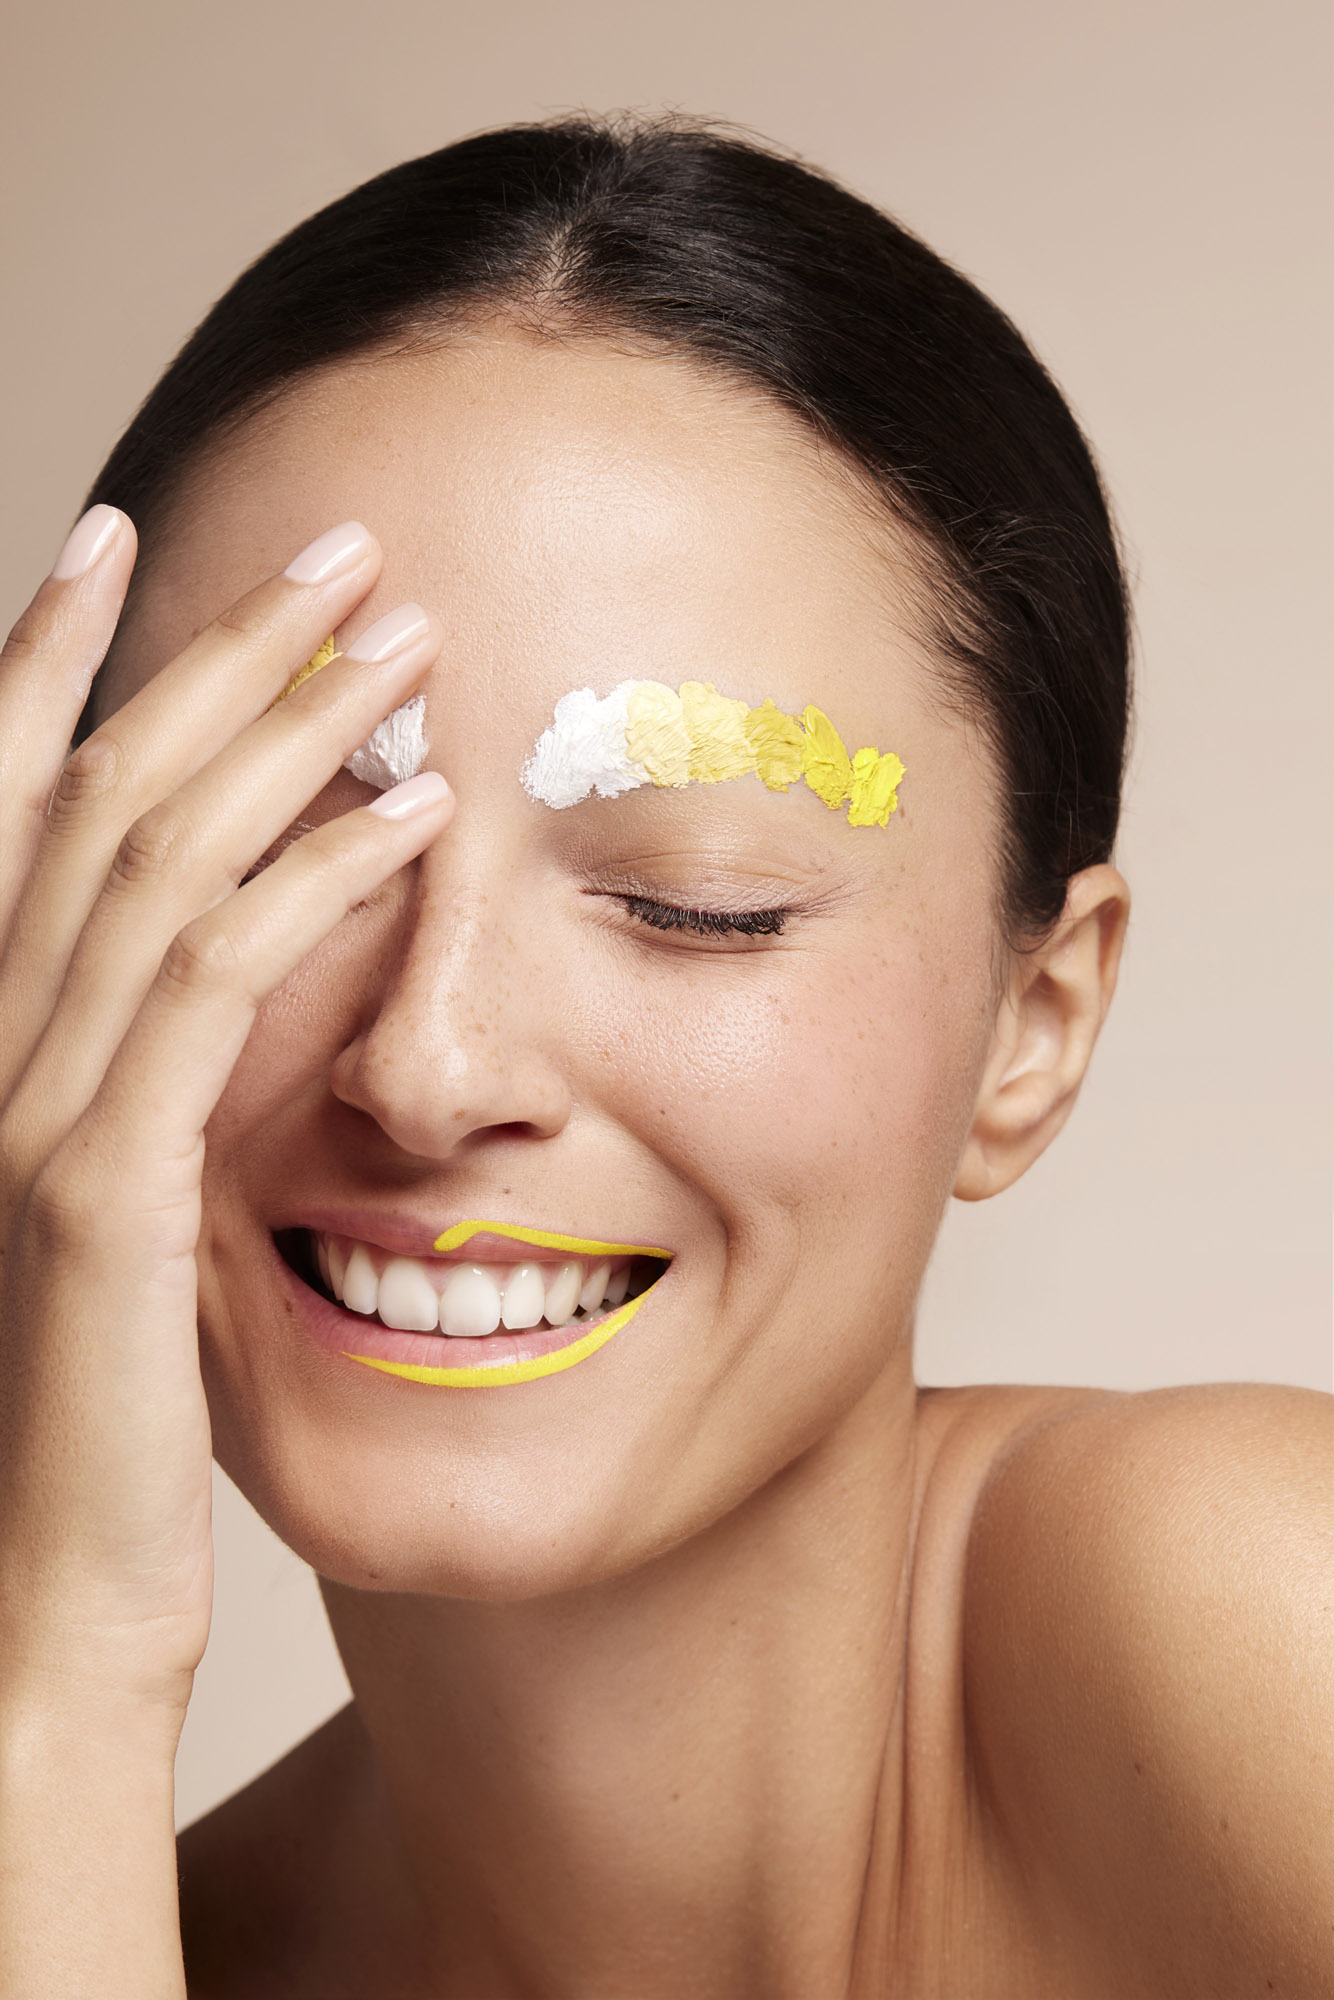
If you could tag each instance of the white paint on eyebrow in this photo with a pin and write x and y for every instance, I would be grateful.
(395, 748)
(583, 750)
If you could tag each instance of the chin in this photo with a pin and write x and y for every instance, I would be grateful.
(444, 1518)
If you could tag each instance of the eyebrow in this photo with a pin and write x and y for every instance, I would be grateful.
(646, 733)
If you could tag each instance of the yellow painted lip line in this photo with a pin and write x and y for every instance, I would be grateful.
(546, 1239)
(513, 1371)
(543, 1364)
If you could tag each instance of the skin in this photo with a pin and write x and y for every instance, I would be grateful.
(726, 1661)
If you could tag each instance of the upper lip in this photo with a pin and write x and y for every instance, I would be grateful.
(411, 1236)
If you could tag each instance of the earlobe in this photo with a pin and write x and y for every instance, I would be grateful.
(1054, 1004)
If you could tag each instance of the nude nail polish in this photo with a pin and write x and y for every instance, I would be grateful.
(330, 554)
(89, 538)
(402, 801)
(390, 634)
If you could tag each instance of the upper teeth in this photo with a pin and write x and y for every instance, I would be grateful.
(465, 1300)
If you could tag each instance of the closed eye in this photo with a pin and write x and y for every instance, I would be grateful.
(705, 923)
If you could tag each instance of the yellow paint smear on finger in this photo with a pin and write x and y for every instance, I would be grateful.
(320, 658)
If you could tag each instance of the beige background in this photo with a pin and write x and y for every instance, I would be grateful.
(1144, 185)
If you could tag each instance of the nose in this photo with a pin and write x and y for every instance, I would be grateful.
(464, 1039)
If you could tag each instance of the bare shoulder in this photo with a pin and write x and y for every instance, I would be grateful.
(253, 1872)
(1149, 1681)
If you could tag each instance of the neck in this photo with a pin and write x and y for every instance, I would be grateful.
(663, 1784)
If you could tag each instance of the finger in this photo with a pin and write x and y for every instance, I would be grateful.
(144, 1127)
(186, 855)
(231, 670)
(165, 733)
(46, 668)
(115, 1211)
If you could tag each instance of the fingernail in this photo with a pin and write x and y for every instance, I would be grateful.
(330, 554)
(90, 537)
(412, 796)
(389, 634)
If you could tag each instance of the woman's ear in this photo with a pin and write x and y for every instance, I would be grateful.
(1055, 1001)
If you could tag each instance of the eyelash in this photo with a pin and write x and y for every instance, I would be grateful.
(705, 923)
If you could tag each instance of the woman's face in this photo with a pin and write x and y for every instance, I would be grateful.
(497, 1035)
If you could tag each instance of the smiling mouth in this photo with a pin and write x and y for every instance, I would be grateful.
(467, 1322)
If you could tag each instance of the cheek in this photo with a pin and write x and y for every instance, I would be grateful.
(797, 1080)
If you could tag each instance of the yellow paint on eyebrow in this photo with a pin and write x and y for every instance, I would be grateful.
(672, 737)
(656, 735)
(547, 1239)
(874, 794)
(716, 726)
(779, 745)
(828, 766)
(320, 658)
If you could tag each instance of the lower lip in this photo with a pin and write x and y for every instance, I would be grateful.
(432, 1359)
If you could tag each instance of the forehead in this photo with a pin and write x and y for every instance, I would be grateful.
(576, 513)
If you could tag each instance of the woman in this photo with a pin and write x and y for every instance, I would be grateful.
(549, 1158)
